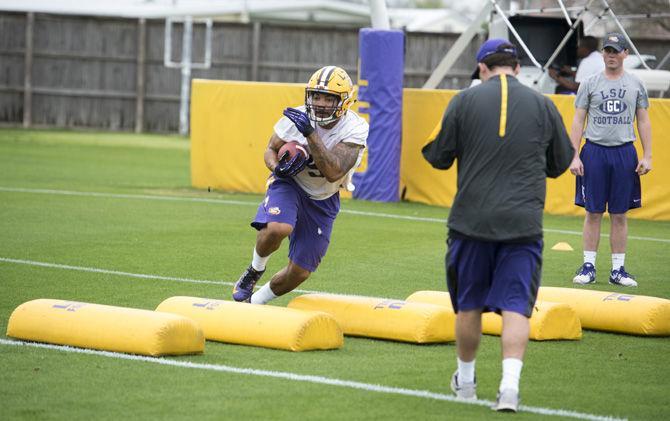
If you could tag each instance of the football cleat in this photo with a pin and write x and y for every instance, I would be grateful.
(463, 390)
(623, 278)
(244, 287)
(585, 275)
(507, 401)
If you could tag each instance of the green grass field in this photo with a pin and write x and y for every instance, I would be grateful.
(76, 206)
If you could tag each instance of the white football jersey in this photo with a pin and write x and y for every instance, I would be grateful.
(351, 128)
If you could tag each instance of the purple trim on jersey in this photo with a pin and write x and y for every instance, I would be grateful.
(493, 276)
(610, 181)
(312, 220)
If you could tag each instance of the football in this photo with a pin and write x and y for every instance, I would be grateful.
(292, 148)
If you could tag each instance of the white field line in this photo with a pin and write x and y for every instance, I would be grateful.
(244, 203)
(308, 379)
(128, 274)
(150, 276)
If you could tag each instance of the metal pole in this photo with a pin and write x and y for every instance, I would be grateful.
(27, 71)
(497, 26)
(540, 10)
(141, 71)
(185, 75)
(565, 12)
(255, 50)
(516, 34)
(565, 39)
(595, 21)
(379, 15)
(663, 60)
(457, 49)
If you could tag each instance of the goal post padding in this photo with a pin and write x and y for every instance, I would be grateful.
(380, 79)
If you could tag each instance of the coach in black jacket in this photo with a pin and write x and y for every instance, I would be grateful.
(507, 139)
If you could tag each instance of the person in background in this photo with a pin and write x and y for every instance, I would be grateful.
(591, 63)
(607, 168)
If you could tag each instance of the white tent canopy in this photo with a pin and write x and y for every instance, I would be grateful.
(455, 18)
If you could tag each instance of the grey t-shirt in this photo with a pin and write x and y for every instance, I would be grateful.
(611, 107)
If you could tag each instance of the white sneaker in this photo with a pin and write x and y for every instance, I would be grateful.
(586, 274)
(623, 278)
(507, 401)
(463, 390)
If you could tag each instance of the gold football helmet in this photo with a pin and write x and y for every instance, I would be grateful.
(333, 81)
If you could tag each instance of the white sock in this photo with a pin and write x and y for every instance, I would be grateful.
(259, 262)
(263, 295)
(466, 371)
(590, 257)
(617, 260)
(511, 374)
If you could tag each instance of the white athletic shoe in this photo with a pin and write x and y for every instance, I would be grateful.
(507, 401)
(623, 278)
(586, 274)
(463, 390)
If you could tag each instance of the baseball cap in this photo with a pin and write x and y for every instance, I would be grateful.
(615, 40)
(493, 46)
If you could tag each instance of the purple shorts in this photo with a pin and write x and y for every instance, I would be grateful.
(610, 181)
(493, 276)
(312, 220)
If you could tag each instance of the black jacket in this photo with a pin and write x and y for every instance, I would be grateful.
(507, 140)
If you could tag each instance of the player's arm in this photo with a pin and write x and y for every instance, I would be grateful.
(270, 154)
(562, 80)
(644, 129)
(334, 163)
(576, 131)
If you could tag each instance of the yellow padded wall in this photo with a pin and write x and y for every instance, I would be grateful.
(231, 124)
(383, 318)
(549, 321)
(103, 327)
(232, 121)
(614, 312)
(258, 325)
(423, 110)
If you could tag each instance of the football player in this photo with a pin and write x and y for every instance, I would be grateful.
(302, 200)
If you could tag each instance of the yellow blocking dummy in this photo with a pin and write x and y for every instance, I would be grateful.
(382, 318)
(266, 326)
(108, 328)
(549, 321)
(614, 312)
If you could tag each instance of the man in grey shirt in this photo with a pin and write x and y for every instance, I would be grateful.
(607, 169)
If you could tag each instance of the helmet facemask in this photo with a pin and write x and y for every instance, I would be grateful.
(323, 107)
(328, 95)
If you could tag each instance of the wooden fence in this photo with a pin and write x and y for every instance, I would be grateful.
(108, 73)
